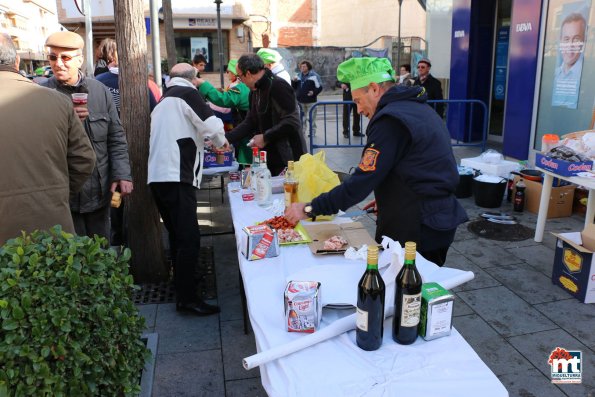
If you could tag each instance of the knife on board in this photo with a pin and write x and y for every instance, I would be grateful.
(352, 214)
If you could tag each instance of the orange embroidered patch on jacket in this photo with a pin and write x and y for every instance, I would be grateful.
(368, 162)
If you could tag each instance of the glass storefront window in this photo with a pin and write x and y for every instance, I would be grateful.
(567, 90)
(192, 42)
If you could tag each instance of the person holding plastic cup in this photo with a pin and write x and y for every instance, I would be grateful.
(90, 207)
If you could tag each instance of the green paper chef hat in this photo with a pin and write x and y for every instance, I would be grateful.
(359, 72)
(231, 66)
(269, 56)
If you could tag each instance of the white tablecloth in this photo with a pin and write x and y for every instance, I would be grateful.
(337, 367)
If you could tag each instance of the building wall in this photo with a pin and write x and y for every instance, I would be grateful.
(286, 22)
(355, 23)
(29, 23)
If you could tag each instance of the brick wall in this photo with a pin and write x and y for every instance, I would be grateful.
(295, 36)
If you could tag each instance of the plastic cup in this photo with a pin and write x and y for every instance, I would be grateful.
(80, 99)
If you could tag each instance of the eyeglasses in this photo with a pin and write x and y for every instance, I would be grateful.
(65, 58)
(421, 66)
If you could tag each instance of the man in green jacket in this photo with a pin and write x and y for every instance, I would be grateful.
(235, 97)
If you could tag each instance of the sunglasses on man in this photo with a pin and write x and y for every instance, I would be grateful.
(63, 57)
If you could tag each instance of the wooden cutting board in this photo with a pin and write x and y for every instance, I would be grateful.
(354, 232)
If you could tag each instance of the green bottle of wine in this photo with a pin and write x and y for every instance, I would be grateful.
(407, 299)
(370, 305)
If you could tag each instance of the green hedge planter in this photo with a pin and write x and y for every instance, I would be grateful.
(68, 326)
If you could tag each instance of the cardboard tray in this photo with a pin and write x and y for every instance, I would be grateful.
(354, 232)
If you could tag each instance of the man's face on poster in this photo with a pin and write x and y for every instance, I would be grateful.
(572, 39)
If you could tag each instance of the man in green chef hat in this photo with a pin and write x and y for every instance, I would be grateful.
(407, 162)
(272, 61)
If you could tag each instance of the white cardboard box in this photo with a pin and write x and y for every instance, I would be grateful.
(503, 168)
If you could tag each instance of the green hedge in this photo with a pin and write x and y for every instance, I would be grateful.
(68, 324)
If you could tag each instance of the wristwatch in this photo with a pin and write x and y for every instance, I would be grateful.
(308, 211)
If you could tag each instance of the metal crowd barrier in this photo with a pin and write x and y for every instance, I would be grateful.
(461, 118)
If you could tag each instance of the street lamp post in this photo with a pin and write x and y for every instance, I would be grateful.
(220, 41)
(398, 65)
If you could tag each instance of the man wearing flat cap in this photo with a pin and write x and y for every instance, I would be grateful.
(90, 207)
(407, 162)
(272, 61)
(430, 83)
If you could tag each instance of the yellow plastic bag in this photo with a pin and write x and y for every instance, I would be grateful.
(314, 176)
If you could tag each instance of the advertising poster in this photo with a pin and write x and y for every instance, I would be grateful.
(200, 45)
(572, 25)
(501, 63)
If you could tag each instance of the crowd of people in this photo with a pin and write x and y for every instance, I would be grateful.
(84, 156)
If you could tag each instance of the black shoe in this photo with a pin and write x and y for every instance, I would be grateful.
(358, 134)
(199, 308)
(346, 135)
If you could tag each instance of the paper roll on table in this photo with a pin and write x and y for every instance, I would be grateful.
(337, 327)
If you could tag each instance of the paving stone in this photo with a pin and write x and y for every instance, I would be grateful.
(537, 347)
(481, 280)
(531, 285)
(180, 332)
(237, 346)
(537, 256)
(251, 387)
(463, 233)
(529, 383)
(493, 349)
(484, 253)
(229, 297)
(461, 308)
(149, 312)
(190, 374)
(228, 284)
(577, 318)
(508, 314)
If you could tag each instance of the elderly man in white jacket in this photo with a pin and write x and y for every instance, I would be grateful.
(179, 125)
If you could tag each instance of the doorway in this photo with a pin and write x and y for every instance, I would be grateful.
(499, 70)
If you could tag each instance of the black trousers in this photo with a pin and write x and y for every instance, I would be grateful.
(347, 110)
(90, 223)
(177, 206)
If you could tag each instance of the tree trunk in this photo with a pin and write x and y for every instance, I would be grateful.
(144, 231)
(170, 43)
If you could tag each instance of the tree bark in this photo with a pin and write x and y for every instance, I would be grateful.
(144, 230)
(170, 42)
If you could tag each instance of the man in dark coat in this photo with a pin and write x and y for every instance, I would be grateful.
(273, 120)
(407, 162)
(430, 83)
(90, 207)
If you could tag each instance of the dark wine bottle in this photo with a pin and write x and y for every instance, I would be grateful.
(370, 305)
(407, 299)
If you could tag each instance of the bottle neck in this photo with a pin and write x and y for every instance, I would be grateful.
(409, 262)
(372, 265)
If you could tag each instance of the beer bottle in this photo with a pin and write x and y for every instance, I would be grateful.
(407, 299)
(290, 185)
(370, 305)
